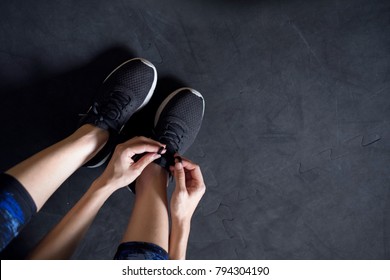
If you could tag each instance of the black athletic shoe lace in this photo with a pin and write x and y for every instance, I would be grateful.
(173, 136)
(112, 105)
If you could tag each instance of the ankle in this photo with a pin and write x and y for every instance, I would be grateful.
(91, 136)
(91, 132)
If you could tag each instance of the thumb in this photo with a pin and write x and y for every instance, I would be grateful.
(180, 176)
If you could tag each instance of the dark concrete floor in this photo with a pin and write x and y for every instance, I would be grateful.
(295, 142)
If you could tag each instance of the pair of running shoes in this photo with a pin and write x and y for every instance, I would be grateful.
(125, 91)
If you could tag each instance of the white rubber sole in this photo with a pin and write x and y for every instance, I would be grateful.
(169, 97)
(100, 163)
(150, 93)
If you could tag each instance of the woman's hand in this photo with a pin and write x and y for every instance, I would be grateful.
(188, 192)
(122, 170)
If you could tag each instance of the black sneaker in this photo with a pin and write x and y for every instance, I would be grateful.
(125, 91)
(177, 122)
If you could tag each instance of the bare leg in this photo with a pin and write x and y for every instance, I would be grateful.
(45, 171)
(63, 239)
(149, 220)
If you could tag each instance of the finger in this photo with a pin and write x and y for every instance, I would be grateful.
(196, 174)
(144, 139)
(137, 141)
(143, 147)
(193, 168)
(144, 161)
(180, 176)
(188, 164)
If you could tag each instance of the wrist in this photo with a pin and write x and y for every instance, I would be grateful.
(102, 186)
(180, 233)
(181, 223)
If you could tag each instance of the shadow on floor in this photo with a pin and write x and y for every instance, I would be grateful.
(44, 112)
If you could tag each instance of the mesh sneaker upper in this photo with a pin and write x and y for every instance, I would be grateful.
(178, 121)
(127, 89)
(124, 91)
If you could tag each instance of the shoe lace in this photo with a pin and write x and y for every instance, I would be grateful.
(173, 135)
(111, 106)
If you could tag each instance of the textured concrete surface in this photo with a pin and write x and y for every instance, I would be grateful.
(295, 143)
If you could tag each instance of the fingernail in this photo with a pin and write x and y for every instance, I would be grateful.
(160, 150)
(178, 159)
(178, 165)
(156, 156)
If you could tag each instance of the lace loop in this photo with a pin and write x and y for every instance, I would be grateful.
(173, 134)
(112, 105)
